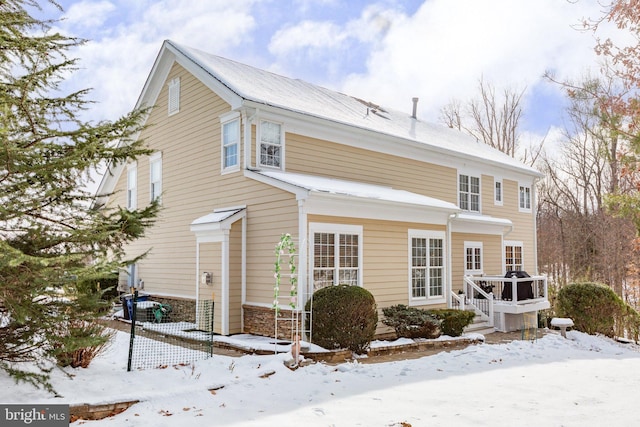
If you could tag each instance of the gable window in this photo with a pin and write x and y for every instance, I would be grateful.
(155, 176)
(271, 144)
(473, 258)
(174, 96)
(525, 198)
(427, 266)
(469, 193)
(497, 192)
(336, 255)
(513, 256)
(132, 186)
(230, 142)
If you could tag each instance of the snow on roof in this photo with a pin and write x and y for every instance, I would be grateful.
(267, 88)
(215, 217)
(486, 219)
(320, 184)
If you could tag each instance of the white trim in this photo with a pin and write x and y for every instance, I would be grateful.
(260, 121)
(304, 292)
(504, 252)
(228, 120)
(132, 201)
(336, 229)
(173, 101)
(153, 159)
(522, 185)
(470, 174)
(427, 234)
(497, 181)
(473, 245)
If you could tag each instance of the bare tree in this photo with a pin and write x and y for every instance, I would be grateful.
(489, 118)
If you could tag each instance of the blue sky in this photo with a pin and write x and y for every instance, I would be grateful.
(386, 51)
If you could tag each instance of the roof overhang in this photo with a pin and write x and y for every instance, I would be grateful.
(213, 227)
(336, 197)
(480, 224)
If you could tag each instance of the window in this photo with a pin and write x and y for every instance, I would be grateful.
(525, 198)
(132, 185)
(174, 96)
(497, 192)
(513, 256)
(271, 144)
(473, 258)
(230, 140)
(469, 192)
(427, 265)
(155, 176)
(336, 255)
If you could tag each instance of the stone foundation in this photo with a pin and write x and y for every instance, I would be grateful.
(261, 321)
(182, 310)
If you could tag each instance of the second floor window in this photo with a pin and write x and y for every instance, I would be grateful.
(132, 186)
(271, 147)
(498, 192)
(230, 138)
(525, 198)
(469, 193)
(155, 176)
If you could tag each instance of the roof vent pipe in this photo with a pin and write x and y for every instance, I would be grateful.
(415, 108)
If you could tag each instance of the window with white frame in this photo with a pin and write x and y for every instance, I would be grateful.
(497, 192)
(174, 96)
(427, 265)
(155, 176)
(271, 144)
(132, 186)
(469, 193)
(473, 258)
(336, 255)
(525, 198)
(230, 143)
(513, 256)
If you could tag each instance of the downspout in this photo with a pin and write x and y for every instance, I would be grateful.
(243, 273)
(450, 218)
(534, 210)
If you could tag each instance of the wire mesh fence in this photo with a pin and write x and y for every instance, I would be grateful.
(157, 341)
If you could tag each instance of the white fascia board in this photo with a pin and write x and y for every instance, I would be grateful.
(480, 224)
(315, 127)
(205, 77)
(356, 207)
(301, 193)
(215, 231)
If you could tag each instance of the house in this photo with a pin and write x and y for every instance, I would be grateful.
(417, 213)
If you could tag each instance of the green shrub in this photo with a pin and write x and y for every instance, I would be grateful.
(453, 321)
(411, 322)
(80, 342)
(592, 306)
(343, 316)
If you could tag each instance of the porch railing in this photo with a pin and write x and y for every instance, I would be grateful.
(482, 293)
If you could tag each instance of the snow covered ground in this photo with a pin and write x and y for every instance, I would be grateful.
(579, 381)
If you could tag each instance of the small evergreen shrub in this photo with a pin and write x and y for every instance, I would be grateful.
(592, 306)
(453, 321)
(411, 322)
(80, 342)
(343, 316)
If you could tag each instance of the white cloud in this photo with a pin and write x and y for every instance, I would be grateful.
(445, 47)
(88, 14)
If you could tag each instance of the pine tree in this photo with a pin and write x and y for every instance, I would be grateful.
(53, 238)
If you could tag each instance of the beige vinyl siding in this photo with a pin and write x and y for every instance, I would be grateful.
(385, 263)
(523, 225)
(492, 254)
(317, 157)
(210, 261)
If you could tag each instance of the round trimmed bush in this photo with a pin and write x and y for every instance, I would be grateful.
(343, 316)
(592, 306)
